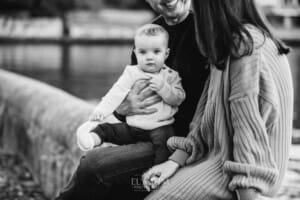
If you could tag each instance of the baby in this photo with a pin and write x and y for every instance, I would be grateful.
(151, 50)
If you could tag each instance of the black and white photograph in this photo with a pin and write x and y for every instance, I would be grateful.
(150, 99)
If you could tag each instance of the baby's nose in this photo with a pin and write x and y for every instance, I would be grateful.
(149, 56)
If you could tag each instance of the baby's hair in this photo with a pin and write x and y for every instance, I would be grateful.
(152, 30)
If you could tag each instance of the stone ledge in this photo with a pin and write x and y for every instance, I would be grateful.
(38, 123)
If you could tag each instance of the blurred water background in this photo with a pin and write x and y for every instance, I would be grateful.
(83, 52)
(90, 71)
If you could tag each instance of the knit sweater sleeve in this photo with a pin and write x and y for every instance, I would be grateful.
(115, 95)
(186, 150)
(191, 148)
(172, 91)
(253, 104)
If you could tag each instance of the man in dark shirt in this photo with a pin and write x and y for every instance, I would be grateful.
(107, 173)
(185, 58)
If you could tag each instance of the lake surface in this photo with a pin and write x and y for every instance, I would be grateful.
(86, 71)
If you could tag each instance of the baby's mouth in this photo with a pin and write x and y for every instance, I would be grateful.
(150, 64)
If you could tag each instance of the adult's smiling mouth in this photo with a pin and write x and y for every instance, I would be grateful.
(171, 4)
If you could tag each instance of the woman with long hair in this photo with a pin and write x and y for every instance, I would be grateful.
(240, 136)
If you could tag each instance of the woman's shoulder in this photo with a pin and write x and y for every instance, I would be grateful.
(253, 40)
(253, 30)
(259, 38)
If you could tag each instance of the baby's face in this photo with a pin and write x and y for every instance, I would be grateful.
(151, 52)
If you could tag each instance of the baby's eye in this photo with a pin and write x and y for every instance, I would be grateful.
(157, 51)
(142, 52)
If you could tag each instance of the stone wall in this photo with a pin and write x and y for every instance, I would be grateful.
(38, 122)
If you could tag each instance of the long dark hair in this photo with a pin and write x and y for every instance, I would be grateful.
(220, 29)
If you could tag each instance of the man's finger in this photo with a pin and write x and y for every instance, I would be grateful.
(139, 85)
(149, 110)
(151, 100)
(152, 87)
(145, 111)
(146, 93)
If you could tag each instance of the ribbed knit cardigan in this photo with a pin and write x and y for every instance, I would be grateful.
(241, 132)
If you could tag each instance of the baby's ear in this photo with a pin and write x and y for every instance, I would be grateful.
(167, 52)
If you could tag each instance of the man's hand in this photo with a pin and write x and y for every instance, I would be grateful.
(138, 99)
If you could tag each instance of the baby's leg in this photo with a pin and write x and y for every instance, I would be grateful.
(119, 133)
(159, 137)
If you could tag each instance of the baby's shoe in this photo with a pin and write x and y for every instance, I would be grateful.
(85, 141)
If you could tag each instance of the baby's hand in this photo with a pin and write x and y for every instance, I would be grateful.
(156, 83)
(97, 116)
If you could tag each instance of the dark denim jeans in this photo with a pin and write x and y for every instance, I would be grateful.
(122, 133)
(108, 173)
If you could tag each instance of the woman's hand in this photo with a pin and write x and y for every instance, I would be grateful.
(247, 194)
(158, 174)
(138, 99)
